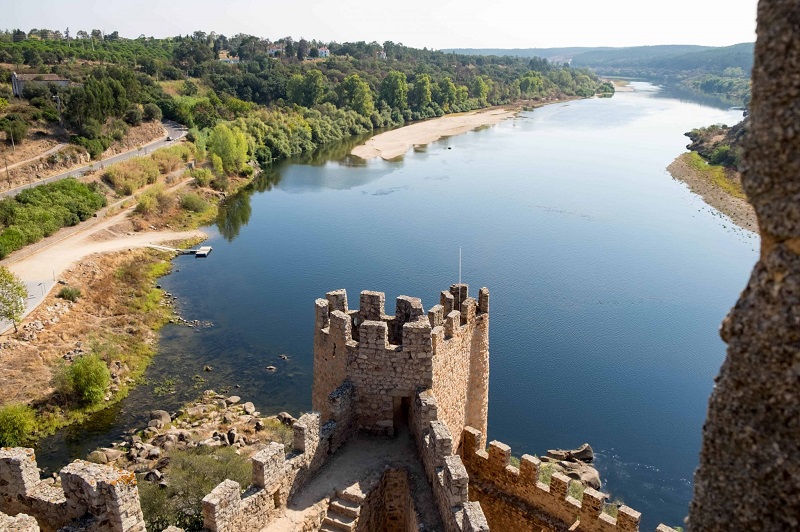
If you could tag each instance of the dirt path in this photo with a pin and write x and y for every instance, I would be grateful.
(57, 147)
(737, 209)
(397, 142)
(39, 265)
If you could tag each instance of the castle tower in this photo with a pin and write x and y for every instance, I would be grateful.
(388, 359)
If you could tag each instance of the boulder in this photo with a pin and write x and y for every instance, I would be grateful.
(161, 415)
(584, 453)
(249, 408)
(98, 457)
(580, 471)
(286, 418)
(233, 399)
(112, 455)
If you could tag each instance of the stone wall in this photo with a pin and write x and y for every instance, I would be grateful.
(276, 475)
(18, 523)
(444, 469)
(388, 358)
(460, 339)
(388, 506)
(107, 496)
(515, 499)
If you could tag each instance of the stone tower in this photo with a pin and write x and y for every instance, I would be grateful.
(388, 359)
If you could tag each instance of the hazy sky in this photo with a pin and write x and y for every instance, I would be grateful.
(418, 23)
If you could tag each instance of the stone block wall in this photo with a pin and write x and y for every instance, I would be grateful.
(276, 475)
(445, 470)
(388, 358)
(107, 495)
(388, 506)
(514, 499)
(18, 523)
(460, 339)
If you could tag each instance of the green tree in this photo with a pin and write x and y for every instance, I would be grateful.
(356, 95)
(230, 145)
(152, 113)
(444, 93)
(420, 95)
(479, 88)
(394, 90)
(13, 296)
(15, 128)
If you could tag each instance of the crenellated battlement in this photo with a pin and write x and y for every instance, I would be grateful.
(388, 357)
(108, 495)
(509, 494)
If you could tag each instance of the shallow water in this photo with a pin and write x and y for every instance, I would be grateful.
(608, 282)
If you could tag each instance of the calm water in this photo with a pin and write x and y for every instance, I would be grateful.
(608, 282)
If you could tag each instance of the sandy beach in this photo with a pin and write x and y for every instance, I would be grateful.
(737, 209)
(397, 142)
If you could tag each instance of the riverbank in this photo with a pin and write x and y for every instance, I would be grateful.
(394, 143)
(718, 187)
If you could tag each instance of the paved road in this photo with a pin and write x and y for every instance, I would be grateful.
(174, 131)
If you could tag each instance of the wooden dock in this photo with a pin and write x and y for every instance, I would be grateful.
(199, 252)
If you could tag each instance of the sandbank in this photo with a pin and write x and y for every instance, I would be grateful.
(737, 209)
(397, 142)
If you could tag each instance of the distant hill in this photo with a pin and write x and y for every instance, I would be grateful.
(672, 57)
(722, 73)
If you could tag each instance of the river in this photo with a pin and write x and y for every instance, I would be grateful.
(608, 280)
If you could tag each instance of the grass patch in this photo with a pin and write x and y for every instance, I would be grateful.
(191, 475)
(127, 292)
(546, 471)
(715, 174)
(576, 489)
(70, 293)
(612, 508)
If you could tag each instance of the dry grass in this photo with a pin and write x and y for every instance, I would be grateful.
(117, 318)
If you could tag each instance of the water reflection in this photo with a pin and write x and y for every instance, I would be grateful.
(235, 211)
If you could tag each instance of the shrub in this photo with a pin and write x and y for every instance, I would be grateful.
(134, 116)
(17, 421)
(152, 113)
(191, 474)
(16, 128)
(70, 293)
(202, 176)
(194, 203)
(85, 380)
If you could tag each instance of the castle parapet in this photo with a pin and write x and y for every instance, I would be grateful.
(276, 477)
(108, 495)
(511, 495)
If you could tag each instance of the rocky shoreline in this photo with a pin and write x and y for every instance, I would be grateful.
(737, 209)
(214, 420)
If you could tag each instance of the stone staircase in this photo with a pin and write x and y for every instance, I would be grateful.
(344, 510)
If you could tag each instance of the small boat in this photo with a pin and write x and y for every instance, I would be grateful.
(203, 251)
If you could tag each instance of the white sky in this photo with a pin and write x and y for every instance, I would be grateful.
(418, 23)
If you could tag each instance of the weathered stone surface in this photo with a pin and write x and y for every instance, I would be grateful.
(161, 415)
(749, 473)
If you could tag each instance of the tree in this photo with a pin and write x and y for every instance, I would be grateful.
(302, 49)
(230, 145)
(15, 128)
(152, 113)
(306, 90)
(13, 296)
(394, 90)
(420, 95)
(355, 94)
